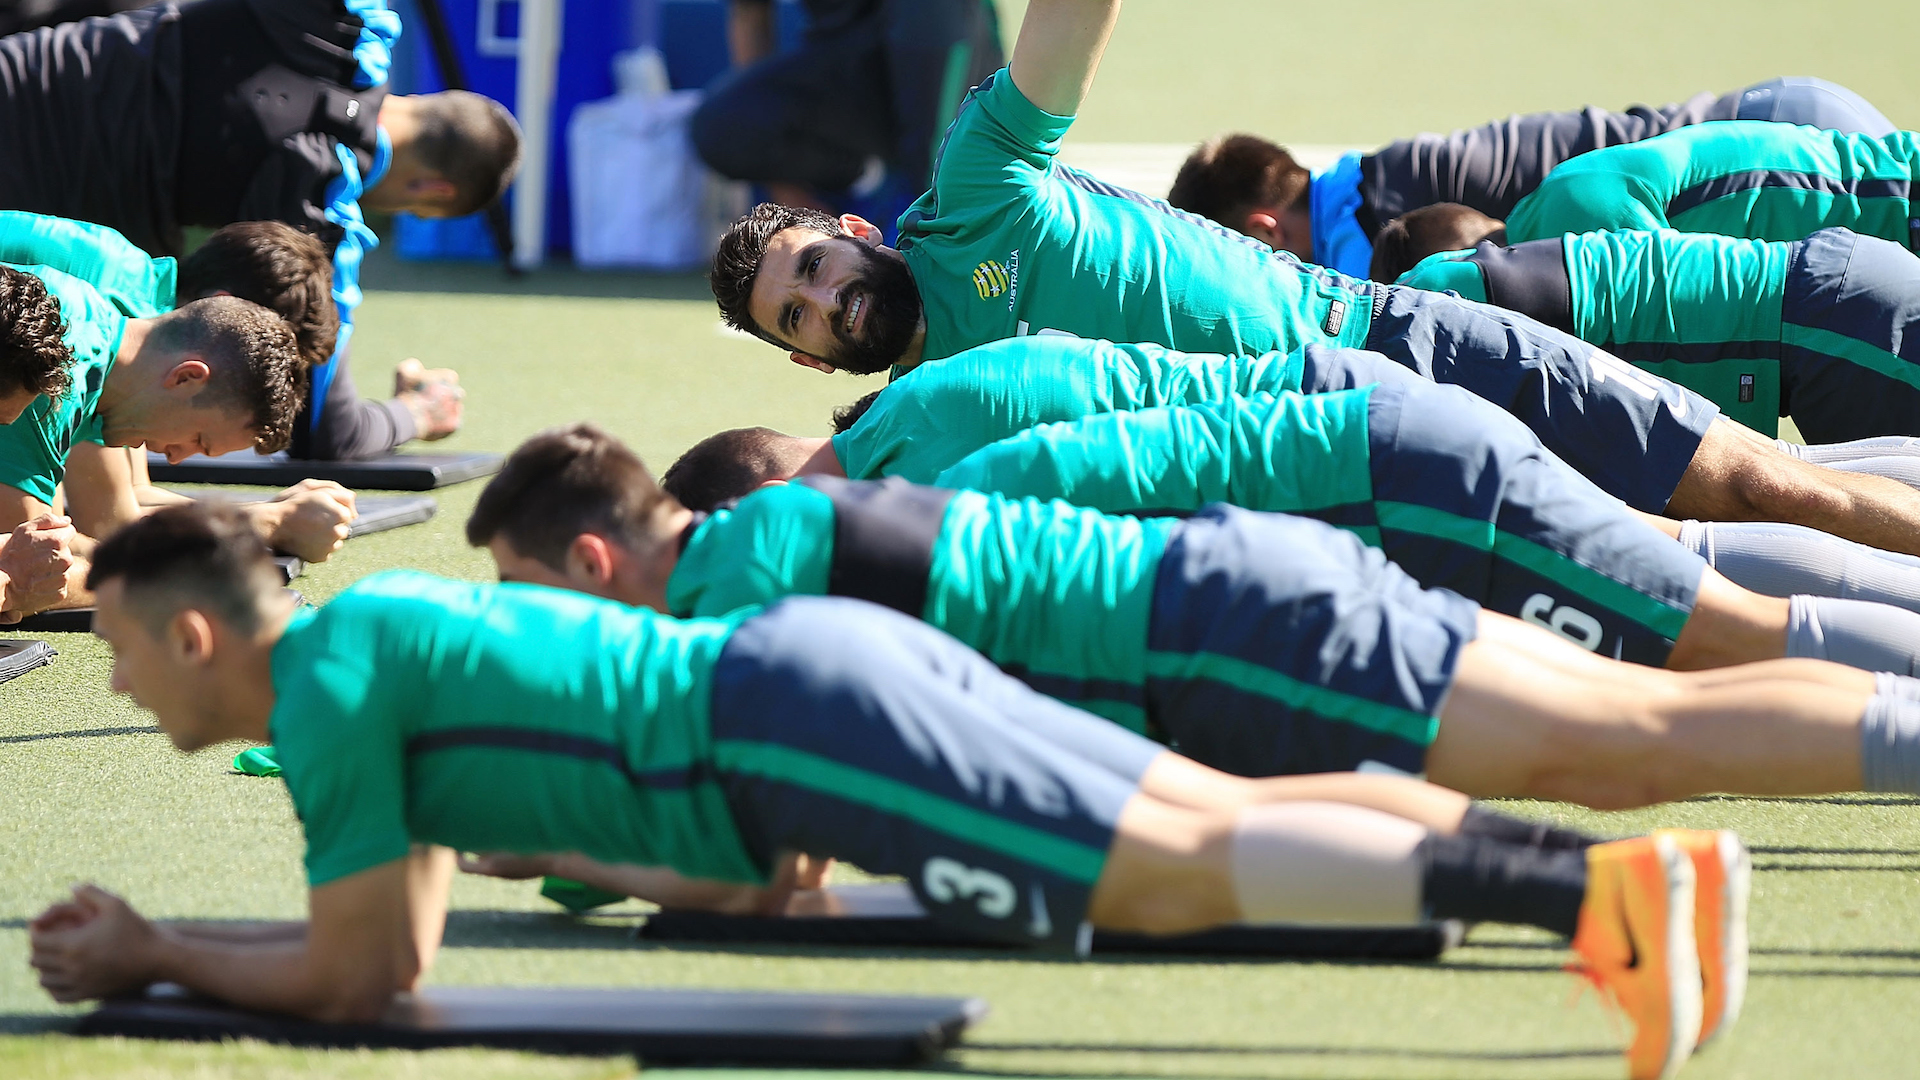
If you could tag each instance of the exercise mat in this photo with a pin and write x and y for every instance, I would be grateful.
(393, 472)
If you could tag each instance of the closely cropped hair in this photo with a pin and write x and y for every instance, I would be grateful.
(727, 466)
(203, 555)
(1416, 234)
(846, 416)
(257, 369)
(563, 482)
(471, 141)
(33, 355)
(737, 262)
(1226, 178)
(276, 266)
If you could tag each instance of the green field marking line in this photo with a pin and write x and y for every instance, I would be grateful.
(1664, 619)
(884, 793)
(1852, 350)
(1265, 682)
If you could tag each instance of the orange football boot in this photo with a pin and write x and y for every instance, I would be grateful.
(1635, 943)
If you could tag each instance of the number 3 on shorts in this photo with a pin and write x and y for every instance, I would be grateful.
(947, 882)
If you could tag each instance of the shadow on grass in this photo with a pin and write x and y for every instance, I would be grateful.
(1289, 1050)
(84, 733)
(1830, 800)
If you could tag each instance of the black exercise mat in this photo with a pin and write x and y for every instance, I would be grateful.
(886, 915)
(79, 620)
(679, 1026)
(21, 656)
(378, 513)
(394, 472)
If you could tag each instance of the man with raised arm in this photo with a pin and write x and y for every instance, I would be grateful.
(1009, 242)
(414, 715)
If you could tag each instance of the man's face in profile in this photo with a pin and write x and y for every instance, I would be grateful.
(836, 299)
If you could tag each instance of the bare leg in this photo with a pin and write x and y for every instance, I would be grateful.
(1527, 719)
(1182, 782)
(1729, 625)
(1738, 475)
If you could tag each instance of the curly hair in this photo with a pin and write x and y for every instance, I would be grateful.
(33, 355)
(276, 266)
(745, 244)
(257, 368)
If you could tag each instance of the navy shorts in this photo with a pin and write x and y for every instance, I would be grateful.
(1284, 645)
(1632, 433)
(845, 729)
(1849, 368)
(1466, 498)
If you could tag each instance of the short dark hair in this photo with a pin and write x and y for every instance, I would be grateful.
(202, 554)
(1225, 178)
(563, 482)
(1416, 234)
(257, 368)
(737, 262)
(727, 466)
(472, 141)
(276, 266)
(846, 416)
(33, 352)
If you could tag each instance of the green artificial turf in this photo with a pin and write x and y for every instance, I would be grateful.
(89, 791)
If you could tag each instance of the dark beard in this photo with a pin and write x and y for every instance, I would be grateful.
(892, 314)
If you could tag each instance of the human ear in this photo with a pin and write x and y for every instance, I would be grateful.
(808, 361)
(1263, 227)
(861, 229)
(186, 372)
(190, 633)
(590, 557)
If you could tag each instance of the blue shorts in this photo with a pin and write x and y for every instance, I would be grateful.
(1466, 498)
(1849, 369)
(1632, 433)
(1282, 645)
(841, 728)
(1814, 102)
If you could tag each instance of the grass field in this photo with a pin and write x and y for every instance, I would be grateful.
(88, 790)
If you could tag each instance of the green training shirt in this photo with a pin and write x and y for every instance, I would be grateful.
(1755, 179)
(412, 709)
(1057, 594)
(1685, 306)
(33, 449)
(1008, 242)
(1294, 453)
(136, 283)
(930, 418)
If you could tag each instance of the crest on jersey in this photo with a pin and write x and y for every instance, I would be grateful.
(990, 279)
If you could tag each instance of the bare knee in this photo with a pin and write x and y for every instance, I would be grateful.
(1734, 477)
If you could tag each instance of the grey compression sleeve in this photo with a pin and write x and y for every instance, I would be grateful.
(1890, 745)
(1873, 637)
(1781, 560)
(1895, 457)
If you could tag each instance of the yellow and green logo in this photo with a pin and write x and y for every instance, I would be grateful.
(990, 279)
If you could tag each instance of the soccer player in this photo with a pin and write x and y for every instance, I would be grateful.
(1011, 243)
(1762, 181)
(264, 262)
(1816, 329)
(1333, 217)
(569, 723)
(212, 376)
(219, 111)
(1262, 644)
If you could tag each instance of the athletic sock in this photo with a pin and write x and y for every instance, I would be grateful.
(1890, 745)
(1780, 560)
(1480, 879)
(1875, 637)
(1494, 825)
(1322, 862)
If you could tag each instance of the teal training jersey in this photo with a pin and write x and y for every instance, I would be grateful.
(1009, 242)
(1053, 593)
(137, 284)
(1755, 179)
(942, 411)
(413, 709)
(1292, 453)
(1697, 308)
(33, 449)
